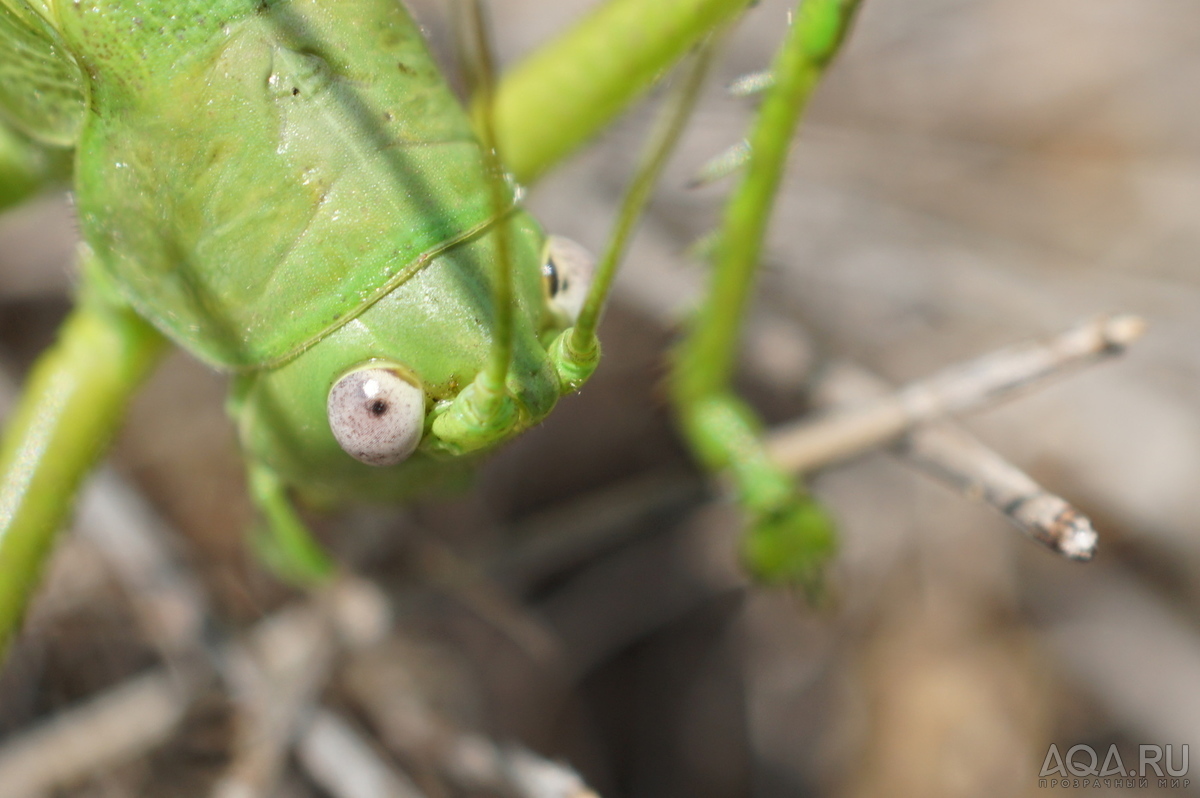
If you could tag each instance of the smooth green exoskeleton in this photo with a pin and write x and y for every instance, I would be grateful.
(289, 190)
(789, 537)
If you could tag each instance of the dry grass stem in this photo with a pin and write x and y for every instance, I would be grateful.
(115, 726)
(952, 455)
(537, 777)
(813, 443)
(345, 764)
(136, 544)
(979, 473)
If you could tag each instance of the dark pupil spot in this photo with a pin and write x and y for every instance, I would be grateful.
(378, 407)
(295, 92)
(551, 276)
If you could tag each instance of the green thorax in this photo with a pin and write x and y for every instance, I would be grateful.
(255, 175)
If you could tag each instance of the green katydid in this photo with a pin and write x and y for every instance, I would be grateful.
(288, 189)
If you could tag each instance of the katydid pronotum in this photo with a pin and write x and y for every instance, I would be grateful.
(289, 190)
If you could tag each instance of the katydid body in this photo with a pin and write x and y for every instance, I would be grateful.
(290, 191)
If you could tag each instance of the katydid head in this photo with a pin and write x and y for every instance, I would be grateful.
(371, 391)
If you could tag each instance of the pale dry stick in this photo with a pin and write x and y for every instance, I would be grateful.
(951, 454)
(278, 676)
(408, 709)
(142, 712)
(840, 434)
(276, 681)
(533, 776)
(169, 601)
(333, 753)
(478, 764)
(345, 765)
(117, 725)
(135, 716)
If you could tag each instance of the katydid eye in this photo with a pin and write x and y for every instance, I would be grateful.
(566, 275)
(377, 416)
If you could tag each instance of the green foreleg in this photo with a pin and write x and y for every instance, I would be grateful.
(285, 543)
(25, 167)
(576, 352)
(75, 399)
(789, 538)
(485, 412)
(563, 94)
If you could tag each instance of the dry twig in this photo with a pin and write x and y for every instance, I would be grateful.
(812, 443)
(959, 459)
(136, 544)
(344, 763)
(954, 456)
(276, 679)
(115, 726)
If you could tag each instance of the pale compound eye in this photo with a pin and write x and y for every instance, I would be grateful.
(567, 274)
(377, 415)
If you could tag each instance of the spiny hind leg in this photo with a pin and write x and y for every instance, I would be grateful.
(72, 403)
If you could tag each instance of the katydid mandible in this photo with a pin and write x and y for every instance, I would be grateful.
(290, 191)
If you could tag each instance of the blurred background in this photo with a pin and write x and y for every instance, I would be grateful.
(972, 173)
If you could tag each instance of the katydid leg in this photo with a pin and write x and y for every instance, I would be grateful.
(576, 352)
(73, 402)
(546, 107)
(285, 543)
(485, 411)
(564, 93)
(26, 167)
(789, 537)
